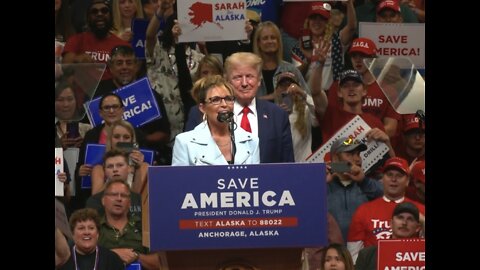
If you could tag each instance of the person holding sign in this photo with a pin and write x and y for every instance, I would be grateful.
(210, 143)
(124, 66)
(405, 224)
(371, 220)
(167, 62)
(116, 167)
(347, 189)
(122, 131)
(111, 110)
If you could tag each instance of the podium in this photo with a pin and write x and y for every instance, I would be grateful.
(264, 259)
(265, 214)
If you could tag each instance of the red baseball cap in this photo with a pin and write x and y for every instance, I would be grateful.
(320, 8)
(365, 46)
(391, 4)
(397, 163)
(418, 171)
(411, 122)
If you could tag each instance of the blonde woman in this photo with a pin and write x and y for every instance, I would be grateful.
(122, 131)
(124, 11)
(267, 43)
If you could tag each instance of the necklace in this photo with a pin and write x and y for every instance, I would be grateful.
(117, 233)
(75, 257)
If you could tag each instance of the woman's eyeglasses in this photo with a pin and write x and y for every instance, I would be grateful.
(216, 100)
(107, 108)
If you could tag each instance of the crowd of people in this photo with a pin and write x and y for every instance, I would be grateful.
(298, 78)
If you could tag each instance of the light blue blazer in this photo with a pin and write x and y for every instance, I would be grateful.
(197, 147)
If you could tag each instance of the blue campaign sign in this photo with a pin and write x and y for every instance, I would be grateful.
(248, 206)
(139, 29)
(134, 266)
(140, 104)
(94, 155)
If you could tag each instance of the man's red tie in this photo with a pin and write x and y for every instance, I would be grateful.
(245, 124)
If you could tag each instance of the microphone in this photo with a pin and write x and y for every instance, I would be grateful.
(228, 117)
(225, 117)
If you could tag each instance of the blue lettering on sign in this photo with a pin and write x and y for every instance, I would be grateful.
(231, 206)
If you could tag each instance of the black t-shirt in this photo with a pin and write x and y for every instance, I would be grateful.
(107, 260)
(268, 79)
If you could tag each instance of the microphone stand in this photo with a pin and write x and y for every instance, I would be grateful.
(231, 128)
(228, 117)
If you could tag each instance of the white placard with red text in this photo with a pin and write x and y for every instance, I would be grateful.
(397, 39)
(212, 20)
(401, 254)
(58, 169)
(355, 129)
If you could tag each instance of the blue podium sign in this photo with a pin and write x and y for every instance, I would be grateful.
(248, 206)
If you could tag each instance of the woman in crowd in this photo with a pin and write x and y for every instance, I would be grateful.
(124, 11)
(65, 112)
(337, 257)
(86, 253)
(267, 43)
(122, 131)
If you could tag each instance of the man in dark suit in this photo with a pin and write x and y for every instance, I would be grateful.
(266, 120)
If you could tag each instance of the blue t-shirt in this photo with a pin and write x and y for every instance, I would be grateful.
(269, 9)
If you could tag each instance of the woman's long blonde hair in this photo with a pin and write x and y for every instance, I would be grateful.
(300, 124)
(117, 17)
(121, 123)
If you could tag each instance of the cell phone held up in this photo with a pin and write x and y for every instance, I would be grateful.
(72, 130)
(127, 146)
(287, 100)
(340, 167)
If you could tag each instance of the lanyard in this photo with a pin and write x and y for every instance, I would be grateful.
(75, 257)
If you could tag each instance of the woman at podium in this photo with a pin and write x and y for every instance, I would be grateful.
(217, 140)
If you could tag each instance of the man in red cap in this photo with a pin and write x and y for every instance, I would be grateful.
(371, 221)
(417, 177)
(375, 102)
(388, 11)
(413, 140)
